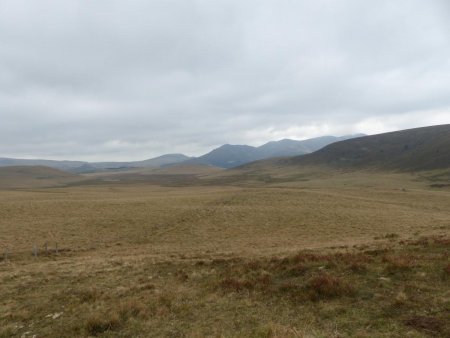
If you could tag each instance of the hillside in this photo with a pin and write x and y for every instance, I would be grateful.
(187, 169)
(162, 161)
(33, 177)
(416, 149)
(62, 165)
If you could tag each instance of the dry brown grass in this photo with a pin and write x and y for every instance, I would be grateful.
(197, 220)
(313, 260)
(231, 296)
(325, 286)
(98, 324)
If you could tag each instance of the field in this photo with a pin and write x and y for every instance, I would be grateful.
(362, 255)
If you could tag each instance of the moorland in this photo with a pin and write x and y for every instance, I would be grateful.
(314, 246)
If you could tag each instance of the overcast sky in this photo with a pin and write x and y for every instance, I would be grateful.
(125, 80)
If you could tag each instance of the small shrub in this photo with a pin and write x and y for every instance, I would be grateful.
(182, 275)
(442, 241)
(8, 331)
(88, 294)
(398, 264)
(131, 308)
(145, 286)
(297, 270)
(288, 287)
(236, 285)
(328, 286)
(98, 324)
(166, 300)
(431, 325)
(447, 270)
(391, 236)
(400, 299)
(358, 267)
(253, 265)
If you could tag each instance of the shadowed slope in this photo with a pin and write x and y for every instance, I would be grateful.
(416, 149)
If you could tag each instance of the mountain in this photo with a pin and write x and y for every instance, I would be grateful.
(229, 156)
(287, 147)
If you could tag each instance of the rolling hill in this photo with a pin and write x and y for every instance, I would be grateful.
(34, 177)
(62, 165)
(80, 167)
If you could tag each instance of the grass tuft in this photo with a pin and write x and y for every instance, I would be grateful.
(236, 285)
(131, 308)
(327, 286)
(88, 295)
(398, 264)
(429, 325)
(97, 324)
(447, 270)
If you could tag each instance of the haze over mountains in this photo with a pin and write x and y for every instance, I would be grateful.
(226, 156)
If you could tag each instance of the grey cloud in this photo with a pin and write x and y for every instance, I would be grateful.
(114, 80)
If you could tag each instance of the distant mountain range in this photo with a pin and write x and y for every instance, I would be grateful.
(86, 167)
(425, 150)
(229, 156)
(226, 156)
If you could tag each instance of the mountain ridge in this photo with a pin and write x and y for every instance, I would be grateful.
(225, 156)
(229, 156)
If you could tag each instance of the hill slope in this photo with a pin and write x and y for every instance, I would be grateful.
(33, 177)
(416, 149)
(162, 161)
(62, 165)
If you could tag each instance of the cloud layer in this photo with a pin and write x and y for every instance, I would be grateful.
(124, 80)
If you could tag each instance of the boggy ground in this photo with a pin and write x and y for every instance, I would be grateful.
(320, 258)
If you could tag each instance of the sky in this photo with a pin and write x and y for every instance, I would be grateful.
(130, 80)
